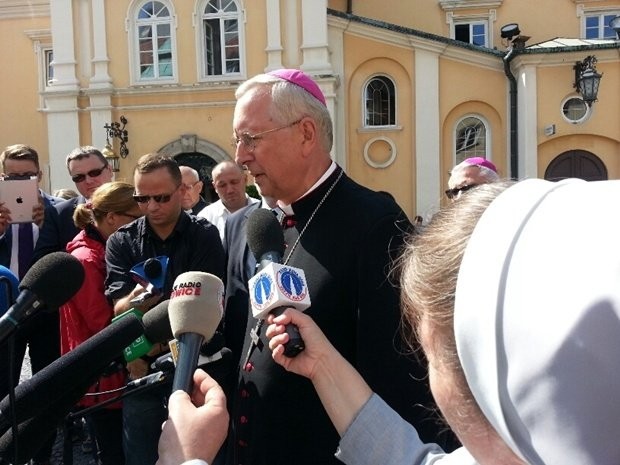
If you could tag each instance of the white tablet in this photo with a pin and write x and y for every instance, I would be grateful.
(20, 197)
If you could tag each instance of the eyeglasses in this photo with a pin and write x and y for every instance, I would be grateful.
(249, 140)
(456, 192)
(20, 176)
(161, 198)
(91, 174)
(190, 186)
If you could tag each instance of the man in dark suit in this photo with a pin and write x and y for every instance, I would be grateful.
(240, 267)
(39, 333)
(19, 162)
(88, 169)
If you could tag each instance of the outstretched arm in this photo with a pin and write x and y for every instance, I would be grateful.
(340, 387)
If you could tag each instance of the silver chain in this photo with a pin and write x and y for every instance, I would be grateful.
(316, 209)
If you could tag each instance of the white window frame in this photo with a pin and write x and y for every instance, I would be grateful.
(486, 19)
(602, 25)
(134, 47)
(394, 103)
(585, 12)
(42, 43)
(586, 115)
(487, 139)
(199, 21)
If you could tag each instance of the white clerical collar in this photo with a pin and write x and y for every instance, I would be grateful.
(288, 209)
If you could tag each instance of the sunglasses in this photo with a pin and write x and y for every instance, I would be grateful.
(454, 193)
(91, 174)
(161, 198)
(129, 215)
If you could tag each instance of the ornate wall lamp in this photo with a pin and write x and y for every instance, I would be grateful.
(587, 79)
(116, 130)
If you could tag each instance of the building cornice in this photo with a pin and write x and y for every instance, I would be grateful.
(39, 34)
(416, 40)
(24, 9)
(448, 5)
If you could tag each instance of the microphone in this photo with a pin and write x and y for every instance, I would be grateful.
(275, 287)
(150, 274)
(51, 281)
(9, 290)
(72, 374)
(157, 329)
(157, 323)
(195, 310)
(34, 433)
(219, 359)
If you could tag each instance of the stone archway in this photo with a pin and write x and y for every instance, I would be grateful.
(201, 155)
(576, 164)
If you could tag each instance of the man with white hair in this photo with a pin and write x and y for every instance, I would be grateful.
(470, 173)
(192, 200)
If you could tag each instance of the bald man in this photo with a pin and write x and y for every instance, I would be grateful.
(229, 181)
(192, 200)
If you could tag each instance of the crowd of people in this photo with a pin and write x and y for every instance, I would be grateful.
(468, 338)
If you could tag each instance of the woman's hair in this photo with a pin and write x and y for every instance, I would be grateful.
(291, 102)
(111, 197)
(429, 269)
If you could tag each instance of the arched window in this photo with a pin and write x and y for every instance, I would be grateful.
(380, 102)
(471, 139)
(154, 43)
(221, 38)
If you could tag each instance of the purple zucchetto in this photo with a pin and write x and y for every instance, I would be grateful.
(302, 80)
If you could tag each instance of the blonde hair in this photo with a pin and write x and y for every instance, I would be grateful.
(429, 269)
(111, 197)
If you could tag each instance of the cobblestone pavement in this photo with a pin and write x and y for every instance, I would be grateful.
(82, 450)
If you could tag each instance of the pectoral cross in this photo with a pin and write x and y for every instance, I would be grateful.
(256, 342)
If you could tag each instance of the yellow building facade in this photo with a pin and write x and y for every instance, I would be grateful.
(413, 87)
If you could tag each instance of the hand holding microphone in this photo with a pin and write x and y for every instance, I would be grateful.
(316, 345)
(275, 287)
(196, 427)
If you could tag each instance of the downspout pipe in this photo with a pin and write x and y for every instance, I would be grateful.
(349, 7)
(514, 141)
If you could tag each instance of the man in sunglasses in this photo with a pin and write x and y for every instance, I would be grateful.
(88, 169)
(468, 174)
(191, 244)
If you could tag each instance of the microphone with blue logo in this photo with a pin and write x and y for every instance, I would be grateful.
(275, 287)
(151, 275)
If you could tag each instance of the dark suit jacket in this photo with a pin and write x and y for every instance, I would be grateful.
(58, 228)
(240, 267)
(6, 241)
(199, 206)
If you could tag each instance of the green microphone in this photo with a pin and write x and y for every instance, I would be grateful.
(139, 347)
